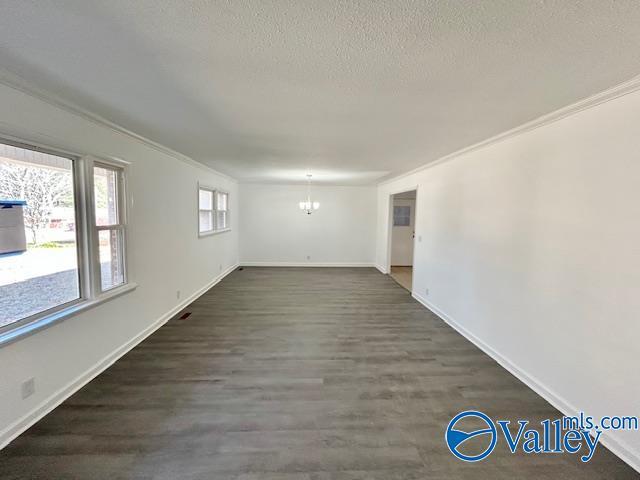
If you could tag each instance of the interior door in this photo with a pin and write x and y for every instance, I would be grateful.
(403, 231)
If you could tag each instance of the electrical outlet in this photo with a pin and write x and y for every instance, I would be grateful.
(220, 267)
(426, 291)
(419, 238)
(28, 387)
(178, 294)
(308, 257)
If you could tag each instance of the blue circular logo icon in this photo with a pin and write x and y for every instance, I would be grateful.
(456, 438)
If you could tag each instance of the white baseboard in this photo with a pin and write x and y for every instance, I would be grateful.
(617, 447)
(21, 425)
(304, 264)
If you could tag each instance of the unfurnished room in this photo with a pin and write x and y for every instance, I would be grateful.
(319, 240)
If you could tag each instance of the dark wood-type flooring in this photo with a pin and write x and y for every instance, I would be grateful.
(292, 374)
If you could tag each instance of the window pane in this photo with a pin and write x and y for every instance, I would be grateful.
(38, 249)
(206, 200)
(206, 220)
(401, 216)
(105, 185)
(221, 201)
(111, 258)
(221, 220)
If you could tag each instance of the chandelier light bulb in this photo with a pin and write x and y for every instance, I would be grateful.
(308, 206)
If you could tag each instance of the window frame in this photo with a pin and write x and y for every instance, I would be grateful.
(214, 210)
(212, 191)
(95, 229)
(90, 292)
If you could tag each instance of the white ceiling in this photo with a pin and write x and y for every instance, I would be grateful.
(351, 91)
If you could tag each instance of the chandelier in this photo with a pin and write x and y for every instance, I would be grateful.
(308, 206)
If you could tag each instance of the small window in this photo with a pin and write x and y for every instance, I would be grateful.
(213, 210)
(402, 216)
(205, 210)
(109, 225)
(222, 210)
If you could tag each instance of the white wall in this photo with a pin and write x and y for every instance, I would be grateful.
(166, 255)
(273, 230)
(402, 237)
(532, 246)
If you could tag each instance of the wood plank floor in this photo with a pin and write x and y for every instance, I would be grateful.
(292, 374)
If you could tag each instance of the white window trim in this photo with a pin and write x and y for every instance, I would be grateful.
(214, 210)
(55, 315)
(206, 188)
(214, 232)
(90, 292)
(93, 235)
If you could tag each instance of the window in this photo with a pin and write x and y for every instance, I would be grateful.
(402, 216)
(62, 235)
(206, 210)
(213, 211)
(109, 227)
(222, 221)
(38, 234)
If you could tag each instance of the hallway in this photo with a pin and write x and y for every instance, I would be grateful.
(403, 275)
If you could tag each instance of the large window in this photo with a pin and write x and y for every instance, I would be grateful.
(38, 233)
(213, 211)
(62, 234)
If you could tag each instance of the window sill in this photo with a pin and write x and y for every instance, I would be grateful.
(53, 318)
(213, 232)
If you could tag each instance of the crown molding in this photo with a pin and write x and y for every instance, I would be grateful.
(612, 93)
(18, 83)
(302, 183)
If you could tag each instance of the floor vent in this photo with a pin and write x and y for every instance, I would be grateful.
(185, 315)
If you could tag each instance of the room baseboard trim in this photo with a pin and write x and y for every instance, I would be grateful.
(612, 93)
(381, 269)
(619, 448)
(20, 426)
(304, 264)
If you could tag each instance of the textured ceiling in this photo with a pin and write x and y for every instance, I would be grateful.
(349, 90)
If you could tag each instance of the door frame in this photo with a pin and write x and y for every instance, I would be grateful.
(390, 226)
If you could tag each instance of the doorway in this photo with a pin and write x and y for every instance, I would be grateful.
(402, 225)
